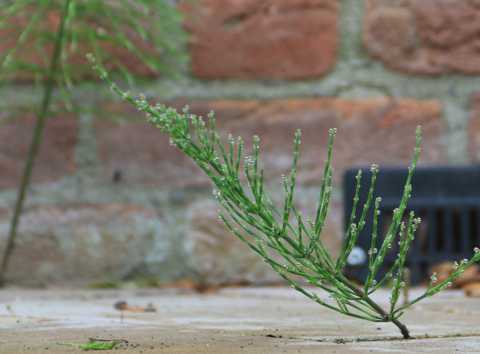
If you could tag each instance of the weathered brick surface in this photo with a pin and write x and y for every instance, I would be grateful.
(56, 155)
(374, 130)
(424, 36)
(84, 243)
(219, 257)
(136, 153)
(474, 128)
(252, 39)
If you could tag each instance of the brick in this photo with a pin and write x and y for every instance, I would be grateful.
(136, 153)
(269, 39)
(219, 257)
(370, 131)
(429, 37)
(56, 156)
(84, 243)
(143, 155)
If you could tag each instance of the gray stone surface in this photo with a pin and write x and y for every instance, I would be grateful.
(242, 320)
(85, 244)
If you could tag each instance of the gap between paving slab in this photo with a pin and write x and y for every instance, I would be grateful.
(341, 340)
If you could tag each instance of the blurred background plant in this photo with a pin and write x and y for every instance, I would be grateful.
(113, 30)
(46, 41)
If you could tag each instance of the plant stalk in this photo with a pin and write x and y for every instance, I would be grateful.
(35, 143)
(403, 329)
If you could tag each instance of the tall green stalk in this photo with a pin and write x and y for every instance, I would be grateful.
(49, 86)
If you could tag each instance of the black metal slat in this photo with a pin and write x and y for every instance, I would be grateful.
(447, 233)
(475, 235)
(432, 230)
(386, 215)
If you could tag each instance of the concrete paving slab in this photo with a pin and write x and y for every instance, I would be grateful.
(234, 320)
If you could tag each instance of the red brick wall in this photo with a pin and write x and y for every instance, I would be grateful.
(374, 69)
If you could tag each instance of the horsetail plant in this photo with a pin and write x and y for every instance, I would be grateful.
(290, 243)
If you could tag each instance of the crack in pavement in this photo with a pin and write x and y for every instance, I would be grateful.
(340, 340)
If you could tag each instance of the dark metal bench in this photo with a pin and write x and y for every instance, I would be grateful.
(446, 198)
